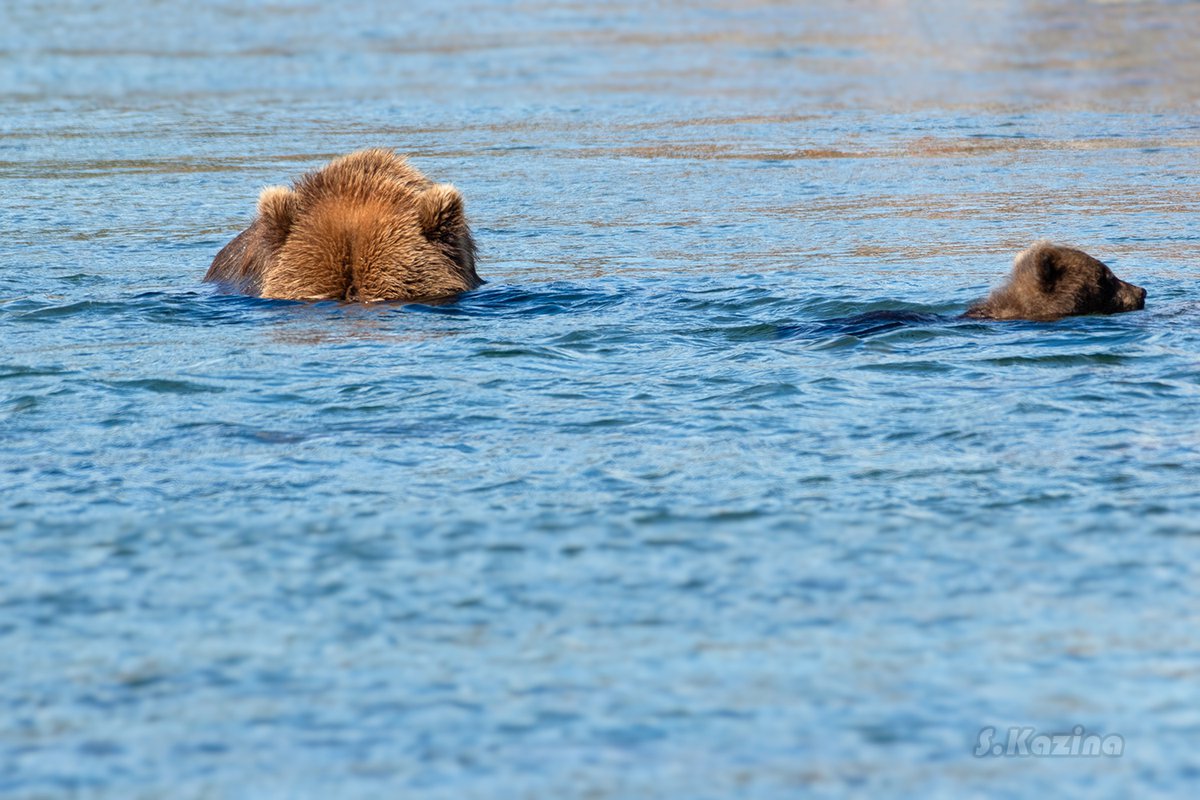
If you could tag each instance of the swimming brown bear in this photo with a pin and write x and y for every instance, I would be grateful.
(366, 227)
(1049, 281)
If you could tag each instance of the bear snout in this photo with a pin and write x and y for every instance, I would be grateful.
(1132, 297)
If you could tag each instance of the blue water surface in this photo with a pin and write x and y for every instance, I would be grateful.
(707, 493)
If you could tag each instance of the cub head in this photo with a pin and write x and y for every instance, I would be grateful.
(1069, 281)
(1049, 281)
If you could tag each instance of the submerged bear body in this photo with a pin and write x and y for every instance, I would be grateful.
(365, 227)
(1049, 282)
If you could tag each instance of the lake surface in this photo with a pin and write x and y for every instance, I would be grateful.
(707, 493)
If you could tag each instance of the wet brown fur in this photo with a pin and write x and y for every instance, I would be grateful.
(367, 226)
(1049, 282)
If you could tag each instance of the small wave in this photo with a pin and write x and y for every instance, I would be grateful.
(165, 386)
(24, 371)
(551, 298)
(872, 323)
(1060, 360)
(55, 312)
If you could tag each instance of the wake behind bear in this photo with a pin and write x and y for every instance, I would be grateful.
(365, 227)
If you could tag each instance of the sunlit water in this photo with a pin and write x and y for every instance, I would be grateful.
(706, 493)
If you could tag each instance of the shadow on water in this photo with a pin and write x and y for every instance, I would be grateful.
(559, 297)
(872, 323)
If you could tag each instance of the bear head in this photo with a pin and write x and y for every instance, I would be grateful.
(366, 227)
(1049, 281)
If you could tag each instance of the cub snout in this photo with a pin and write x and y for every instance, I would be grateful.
(1132, 298)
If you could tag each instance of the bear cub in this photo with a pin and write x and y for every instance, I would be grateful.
(1049, 282)
(365, 227)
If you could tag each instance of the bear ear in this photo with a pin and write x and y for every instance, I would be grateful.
(440, 211)
(1047, 268)
(277, 208)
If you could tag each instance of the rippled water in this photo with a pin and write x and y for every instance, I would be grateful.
(707, 493)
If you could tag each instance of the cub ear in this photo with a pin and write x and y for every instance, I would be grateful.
(1047, 268)
(277, 208)
(440, 212)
